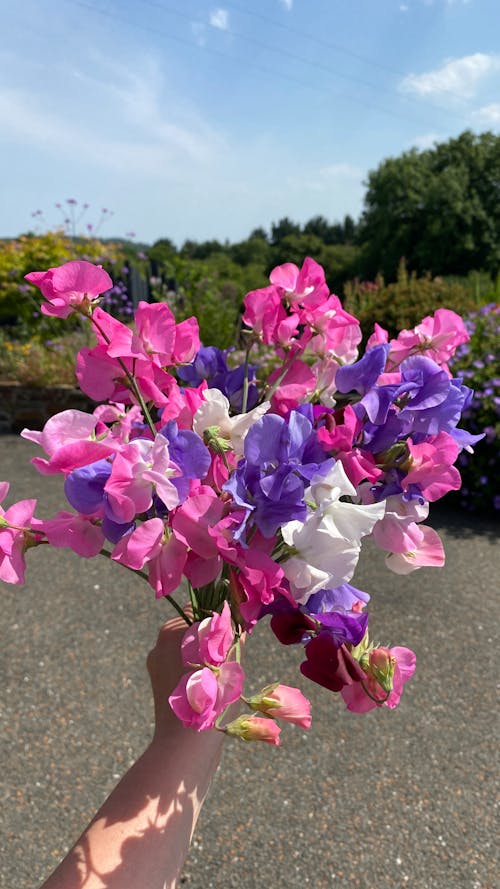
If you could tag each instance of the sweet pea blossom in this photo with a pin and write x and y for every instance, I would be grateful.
(283, 702)
(254, 728)
(69, 440)
(200, 697)
(142, 468)
(15, 537)
(394, 667)
(327, 544)
(209, 641)
(212, 421)
(73, 286)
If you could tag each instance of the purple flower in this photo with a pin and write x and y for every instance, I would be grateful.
(84, 488)
(281, 456)
(363, 375)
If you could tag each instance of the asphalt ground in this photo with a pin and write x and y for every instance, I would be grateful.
(387, 799)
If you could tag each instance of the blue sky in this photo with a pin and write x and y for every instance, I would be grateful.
(192, 119)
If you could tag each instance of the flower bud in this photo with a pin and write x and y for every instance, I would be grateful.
(381, 666)
(254, 728)
(283, 702)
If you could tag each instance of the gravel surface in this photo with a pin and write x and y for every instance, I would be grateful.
(389, 799)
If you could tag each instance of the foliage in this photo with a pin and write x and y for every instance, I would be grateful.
(478, 362)
(439, 209)
(19, 302)
(36, 363)
(195, 288)
(403, 304)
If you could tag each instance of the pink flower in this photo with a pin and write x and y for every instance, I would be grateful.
(283, 702)
(299, 381)
(254, 728)
(431, 466)
(142, 545)
(200, 697)
(15, 538)
(379, 335)
(68, 438)
(264, 312)
(437, 336)
(141, 469)
(425, 549)
(69, 287)
(77, 532)
(305, 286)
(394, 667)
(209, 641)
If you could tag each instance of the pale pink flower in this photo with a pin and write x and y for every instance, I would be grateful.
(425, 549)
(142, 469)
(68, 438)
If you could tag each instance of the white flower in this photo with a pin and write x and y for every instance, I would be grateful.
(214, 412)
(328, 543)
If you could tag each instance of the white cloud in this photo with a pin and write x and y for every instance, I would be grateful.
(287, 4)
(219, 18)
(156, 138)
(489, 115)
(461, 77)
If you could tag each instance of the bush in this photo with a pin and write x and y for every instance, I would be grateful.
(478, 362)
(400, 306)
(20, 301)
(49, 363)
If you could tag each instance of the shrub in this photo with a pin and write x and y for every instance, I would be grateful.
(49, 363)
(478, 362)
(400, 306)
(19, 301)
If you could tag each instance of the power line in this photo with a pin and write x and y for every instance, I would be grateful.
(294, 56)
(257, 66)
(328, 44)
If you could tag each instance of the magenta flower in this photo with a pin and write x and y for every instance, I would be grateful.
(70, 287)
(200, 697)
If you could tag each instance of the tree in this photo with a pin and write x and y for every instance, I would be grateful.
(439, 209)
(283, 229)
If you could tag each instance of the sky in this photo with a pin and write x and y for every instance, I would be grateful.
(190, 119)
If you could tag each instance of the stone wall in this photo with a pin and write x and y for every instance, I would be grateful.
(30, 406)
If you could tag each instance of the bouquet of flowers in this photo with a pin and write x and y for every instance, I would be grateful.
(253, 486)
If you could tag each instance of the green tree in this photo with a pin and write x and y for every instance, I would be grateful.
(439, 209)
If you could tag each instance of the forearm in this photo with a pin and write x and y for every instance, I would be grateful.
(141, 835)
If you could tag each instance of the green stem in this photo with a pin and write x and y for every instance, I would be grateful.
(269, 394)
(245, 379)
(132, 380)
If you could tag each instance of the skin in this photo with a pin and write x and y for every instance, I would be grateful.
(140, 836)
